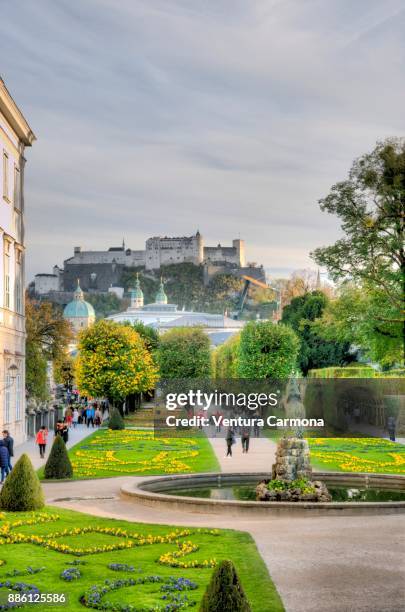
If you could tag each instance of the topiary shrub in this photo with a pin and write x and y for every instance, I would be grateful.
(115, 421)
(22, 490)
(224, 592)
(58, 464)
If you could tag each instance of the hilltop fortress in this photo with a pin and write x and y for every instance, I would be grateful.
(100, 270)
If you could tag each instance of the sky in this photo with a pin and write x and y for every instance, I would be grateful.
(161, 117)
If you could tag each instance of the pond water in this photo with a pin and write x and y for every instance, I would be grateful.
(247, 493)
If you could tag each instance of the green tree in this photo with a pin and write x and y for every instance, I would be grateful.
(22, 491)
(315, 351)
(267, 350)
(371, 207)
(226, 358)
(113, 362)
(115, 420)
(58, 464)
(105, 304)
(224, 592)
(48, 335)
(184, 353)
(149, 335)
(351, 318)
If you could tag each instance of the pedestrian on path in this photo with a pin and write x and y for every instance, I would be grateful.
(4, 460)
(69, 417)
(75, 417)
(9, 441)
(230, 440)
(42, 439)
(391, 428)
(245, 439)
(97, 417)
(62, 430)
(90, 416)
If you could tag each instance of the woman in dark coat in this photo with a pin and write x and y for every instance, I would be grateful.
(4, 460)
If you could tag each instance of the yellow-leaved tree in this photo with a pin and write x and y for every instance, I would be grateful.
(113, 362)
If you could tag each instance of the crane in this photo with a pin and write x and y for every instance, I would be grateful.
(249, 280)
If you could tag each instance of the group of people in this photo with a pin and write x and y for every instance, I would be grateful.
(6, 452)
(231, 440)
(86, 415)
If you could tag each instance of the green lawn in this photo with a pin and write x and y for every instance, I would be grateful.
(134, 451)
(357, 455)
(57, 539)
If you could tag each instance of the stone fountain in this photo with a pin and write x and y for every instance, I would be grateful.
(292, 464)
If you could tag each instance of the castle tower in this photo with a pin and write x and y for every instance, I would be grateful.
(239, 245)
(136, 294)
(161, 297)
(200, 247)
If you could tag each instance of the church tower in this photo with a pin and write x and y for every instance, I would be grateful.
(161, 297)
(136, 294)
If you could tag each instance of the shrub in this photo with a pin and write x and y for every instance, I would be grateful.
(224, 592)
(22, 490)
(58, 464)
(116, 421)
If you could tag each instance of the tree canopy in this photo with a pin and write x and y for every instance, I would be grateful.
(113, 362)
(184, 353)
(315, 351)
(371, 207)
(266, 350)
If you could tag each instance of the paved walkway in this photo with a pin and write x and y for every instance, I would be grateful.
(325, 564)
(75, 435)
(260, 457)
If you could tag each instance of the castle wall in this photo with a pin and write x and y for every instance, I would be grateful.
(44, 283)
(166, 251)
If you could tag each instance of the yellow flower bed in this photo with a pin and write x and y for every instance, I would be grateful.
(109, 453)
(371, 455)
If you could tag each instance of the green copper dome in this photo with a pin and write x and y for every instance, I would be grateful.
(161, 297)
(78, 307)
(137, 292)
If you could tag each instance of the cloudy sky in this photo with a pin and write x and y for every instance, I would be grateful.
(164, 116)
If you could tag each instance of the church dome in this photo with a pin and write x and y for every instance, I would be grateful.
(161, 297)
(136, 295)
(78, 307)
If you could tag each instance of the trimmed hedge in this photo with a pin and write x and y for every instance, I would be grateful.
(22, 490)
(58, 464)
(224, 592)
(116, 421)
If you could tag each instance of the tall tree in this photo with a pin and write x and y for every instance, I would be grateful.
(48, 335)
(113, 362)
(266, 350)
(184, 353)
(371, 207)
(315, 351)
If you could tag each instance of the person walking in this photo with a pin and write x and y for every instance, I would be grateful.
(42, 439)
(75, 417)
(90, 416)
(69, 417)
(97, 417)
(230, 440)
(245, 439)
(4, 460)
(391, 428)
(9, 441)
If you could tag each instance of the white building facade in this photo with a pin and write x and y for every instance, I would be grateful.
(15, 135)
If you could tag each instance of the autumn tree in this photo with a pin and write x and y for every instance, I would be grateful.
(48, 336)
(370, 204)
(184, 353)
(113, 362)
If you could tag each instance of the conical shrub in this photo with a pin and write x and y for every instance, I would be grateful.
(22, 490)
(116, 421)
(224, 592)
(58, 464)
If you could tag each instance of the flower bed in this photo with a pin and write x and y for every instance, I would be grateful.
(372, 455)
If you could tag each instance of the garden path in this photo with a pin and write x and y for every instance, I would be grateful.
(75, 435)
(260, 457)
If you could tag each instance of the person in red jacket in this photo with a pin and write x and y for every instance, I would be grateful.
(41, 440)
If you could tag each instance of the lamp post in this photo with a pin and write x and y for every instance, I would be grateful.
(12, 372)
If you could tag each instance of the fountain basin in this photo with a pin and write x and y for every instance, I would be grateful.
(161, 492)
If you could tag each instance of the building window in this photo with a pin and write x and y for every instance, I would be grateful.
(18, 397)
(18, 282)
(7, 284)
(5, 175)
(17, 190)
(7, 399)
